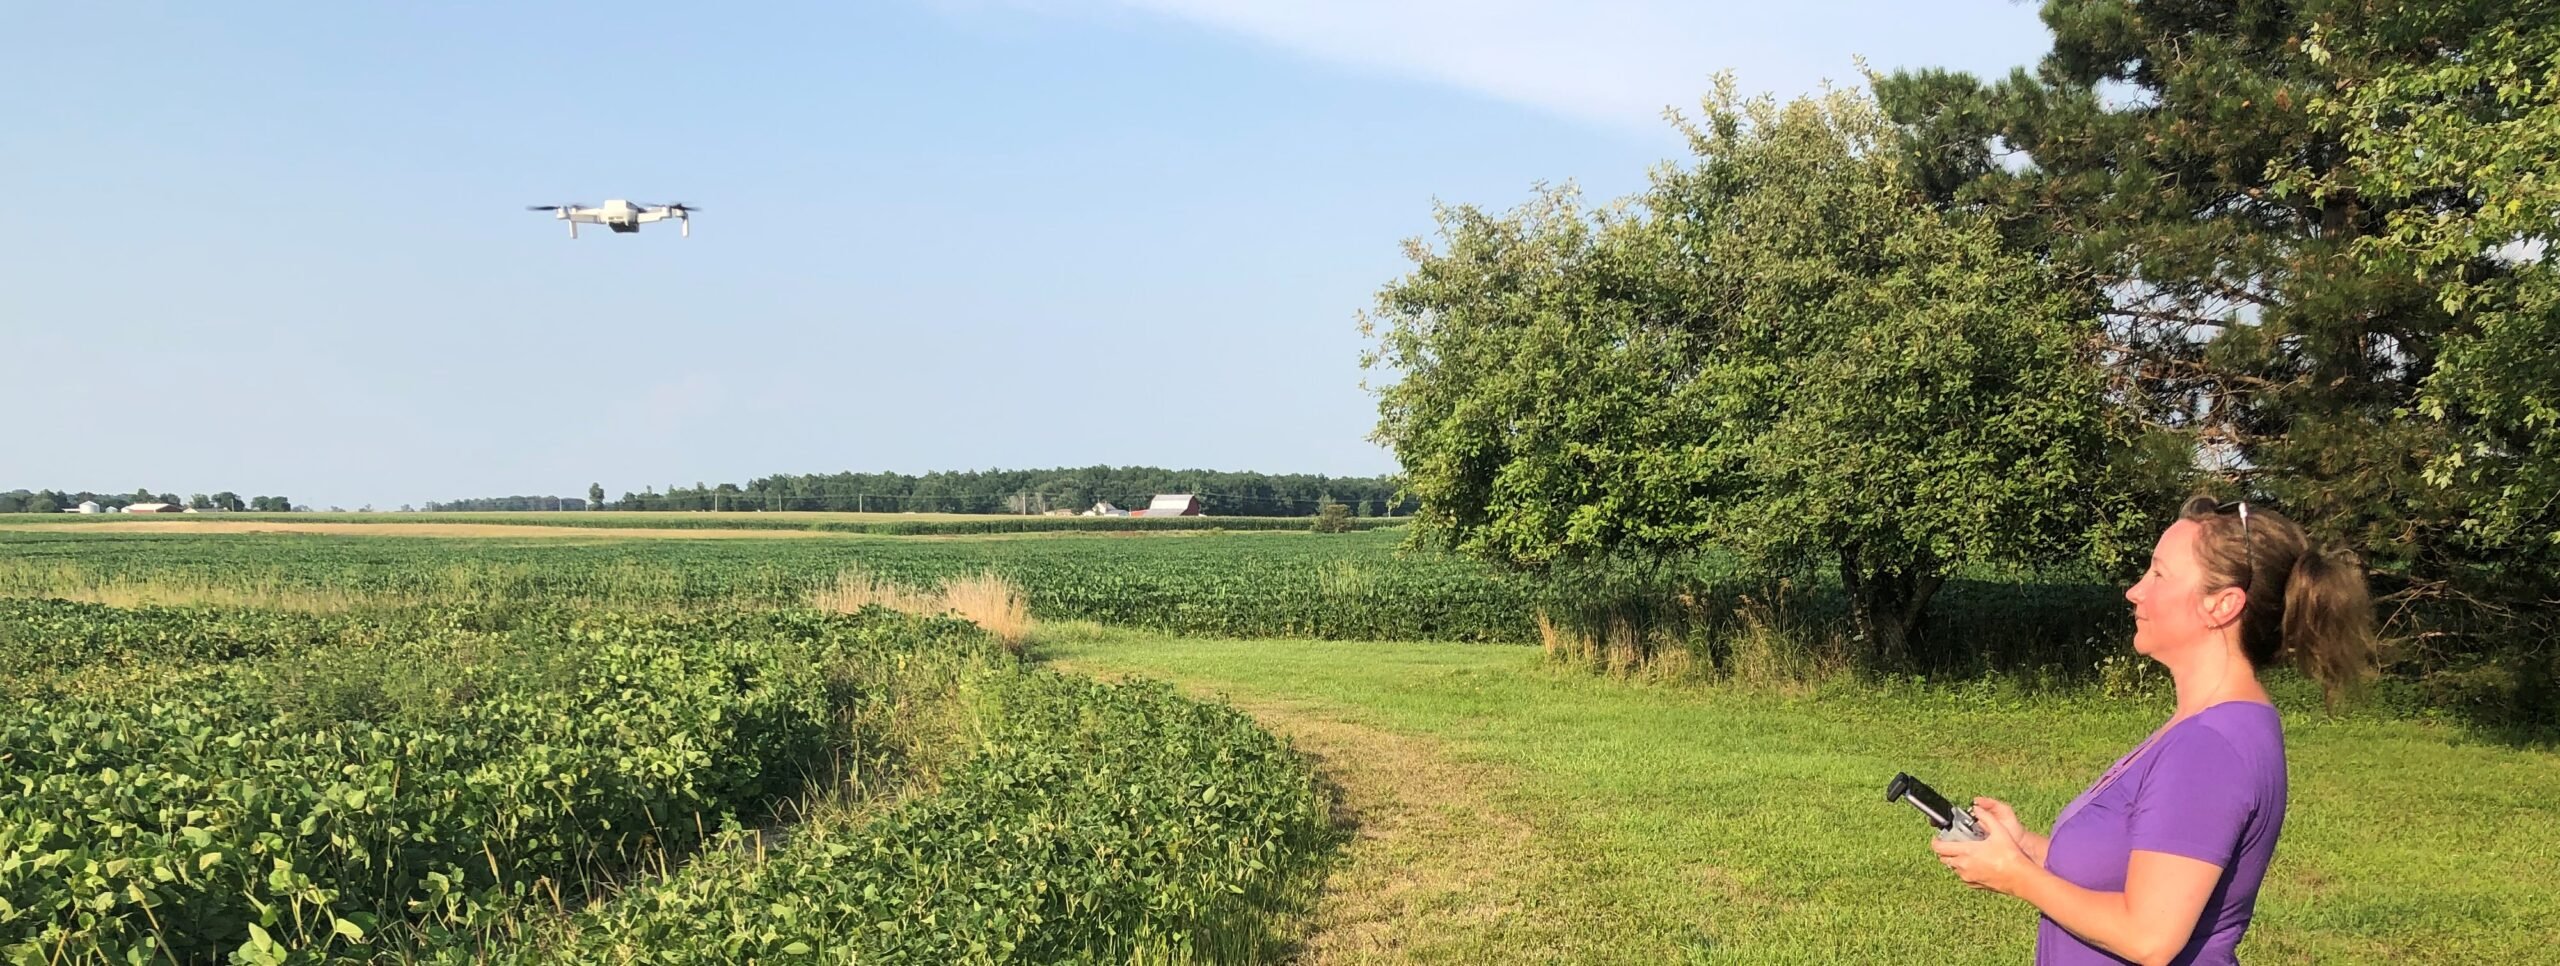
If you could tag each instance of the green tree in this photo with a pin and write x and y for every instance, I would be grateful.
(595, 496)
(227, 500)
(2162, 156)
(2459, 148)
(1332, 518)
(1781, 351)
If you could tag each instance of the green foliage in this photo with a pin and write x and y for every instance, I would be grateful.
(42, 638)
(1096, 823)
(2459, 148)
(2286, 211)
(433, 783)
(420, 774)
(875, 524)
(1243, 584)
(1332, 518)
(1779, 352)
(508, 504)
(1008, 491)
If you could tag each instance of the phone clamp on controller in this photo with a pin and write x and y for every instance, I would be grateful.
(1953, 824)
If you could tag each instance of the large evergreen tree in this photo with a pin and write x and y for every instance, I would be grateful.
(2159, 157)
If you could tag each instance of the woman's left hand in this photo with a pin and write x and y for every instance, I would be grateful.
(1995, 863)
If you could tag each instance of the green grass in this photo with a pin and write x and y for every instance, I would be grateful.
(1709, 824)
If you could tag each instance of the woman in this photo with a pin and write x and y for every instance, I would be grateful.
(2159, 861)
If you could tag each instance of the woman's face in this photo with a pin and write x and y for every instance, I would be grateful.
(2171, 609)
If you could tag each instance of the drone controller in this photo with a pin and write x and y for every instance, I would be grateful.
(1953, 824)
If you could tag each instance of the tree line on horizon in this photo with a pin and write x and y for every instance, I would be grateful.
(57, 501)
(1032, 491)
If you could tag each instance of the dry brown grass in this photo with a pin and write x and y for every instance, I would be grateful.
(987, 599)
(1768, 652)
(1561, 644)
(629, 586)
(1765, 650)
(1620, 649)
(991, 601)
(856, 588)
(74, 582)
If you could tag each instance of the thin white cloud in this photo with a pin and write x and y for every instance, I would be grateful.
(1621, 62)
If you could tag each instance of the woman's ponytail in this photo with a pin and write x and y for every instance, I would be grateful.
(2328, 620)
(2305, 602)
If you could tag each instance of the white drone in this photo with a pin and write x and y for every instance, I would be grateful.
(623, 217)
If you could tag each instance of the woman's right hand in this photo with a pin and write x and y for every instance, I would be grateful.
(1995, 811)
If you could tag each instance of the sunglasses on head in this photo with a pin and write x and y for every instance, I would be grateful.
(2248, 554)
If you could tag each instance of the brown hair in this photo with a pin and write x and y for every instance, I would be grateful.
(2305, 602)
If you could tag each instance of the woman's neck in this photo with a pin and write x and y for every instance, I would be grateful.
(2215, 674)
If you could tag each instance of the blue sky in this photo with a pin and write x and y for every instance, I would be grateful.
(281, 248)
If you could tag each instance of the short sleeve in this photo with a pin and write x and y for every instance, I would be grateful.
(2196, 800)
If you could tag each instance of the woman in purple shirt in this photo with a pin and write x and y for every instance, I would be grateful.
(2159, 861)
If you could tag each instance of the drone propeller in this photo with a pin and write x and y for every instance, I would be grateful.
(561, 212)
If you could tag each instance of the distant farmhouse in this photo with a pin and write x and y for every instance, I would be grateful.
(155, 508)
(1105, 509)
(1170, 505)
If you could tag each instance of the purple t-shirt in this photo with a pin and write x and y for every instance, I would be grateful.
(2212, 788)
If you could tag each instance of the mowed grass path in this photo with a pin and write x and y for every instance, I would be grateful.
(1515, 812)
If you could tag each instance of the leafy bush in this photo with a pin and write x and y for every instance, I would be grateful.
(1332, 518)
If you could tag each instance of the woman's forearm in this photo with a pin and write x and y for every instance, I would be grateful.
(2105, 919)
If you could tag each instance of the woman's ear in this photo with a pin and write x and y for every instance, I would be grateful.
(2226, 606)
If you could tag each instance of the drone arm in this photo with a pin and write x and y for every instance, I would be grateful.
(683, 218)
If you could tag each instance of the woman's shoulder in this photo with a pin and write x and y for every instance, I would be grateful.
(2243, 734)
(2239, 721)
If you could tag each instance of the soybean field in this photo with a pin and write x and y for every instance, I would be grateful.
(1277, 584)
